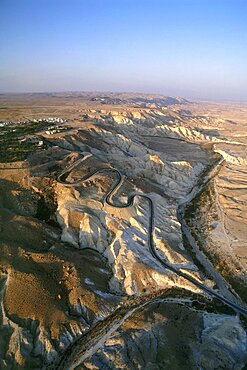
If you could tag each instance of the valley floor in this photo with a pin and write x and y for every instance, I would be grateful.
(88, 283)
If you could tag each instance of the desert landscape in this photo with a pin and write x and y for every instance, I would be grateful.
(123, 232)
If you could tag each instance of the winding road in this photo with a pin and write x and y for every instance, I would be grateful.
(108, 200)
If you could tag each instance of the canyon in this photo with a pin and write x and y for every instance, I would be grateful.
(123, 232)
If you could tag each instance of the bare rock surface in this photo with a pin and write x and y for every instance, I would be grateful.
(80, 286)
(151, 339)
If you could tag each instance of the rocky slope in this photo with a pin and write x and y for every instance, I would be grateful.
(70, 262)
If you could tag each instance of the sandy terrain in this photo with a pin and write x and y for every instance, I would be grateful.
(79, 285)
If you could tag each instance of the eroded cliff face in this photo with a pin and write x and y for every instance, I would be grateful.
(217, 217)
(69, 260)
(151, 339)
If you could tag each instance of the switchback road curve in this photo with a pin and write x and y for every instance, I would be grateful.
(130, 202)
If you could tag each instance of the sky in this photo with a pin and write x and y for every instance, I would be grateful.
(189, 48)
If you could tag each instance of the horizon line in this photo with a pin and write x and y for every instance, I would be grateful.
(192, 99)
